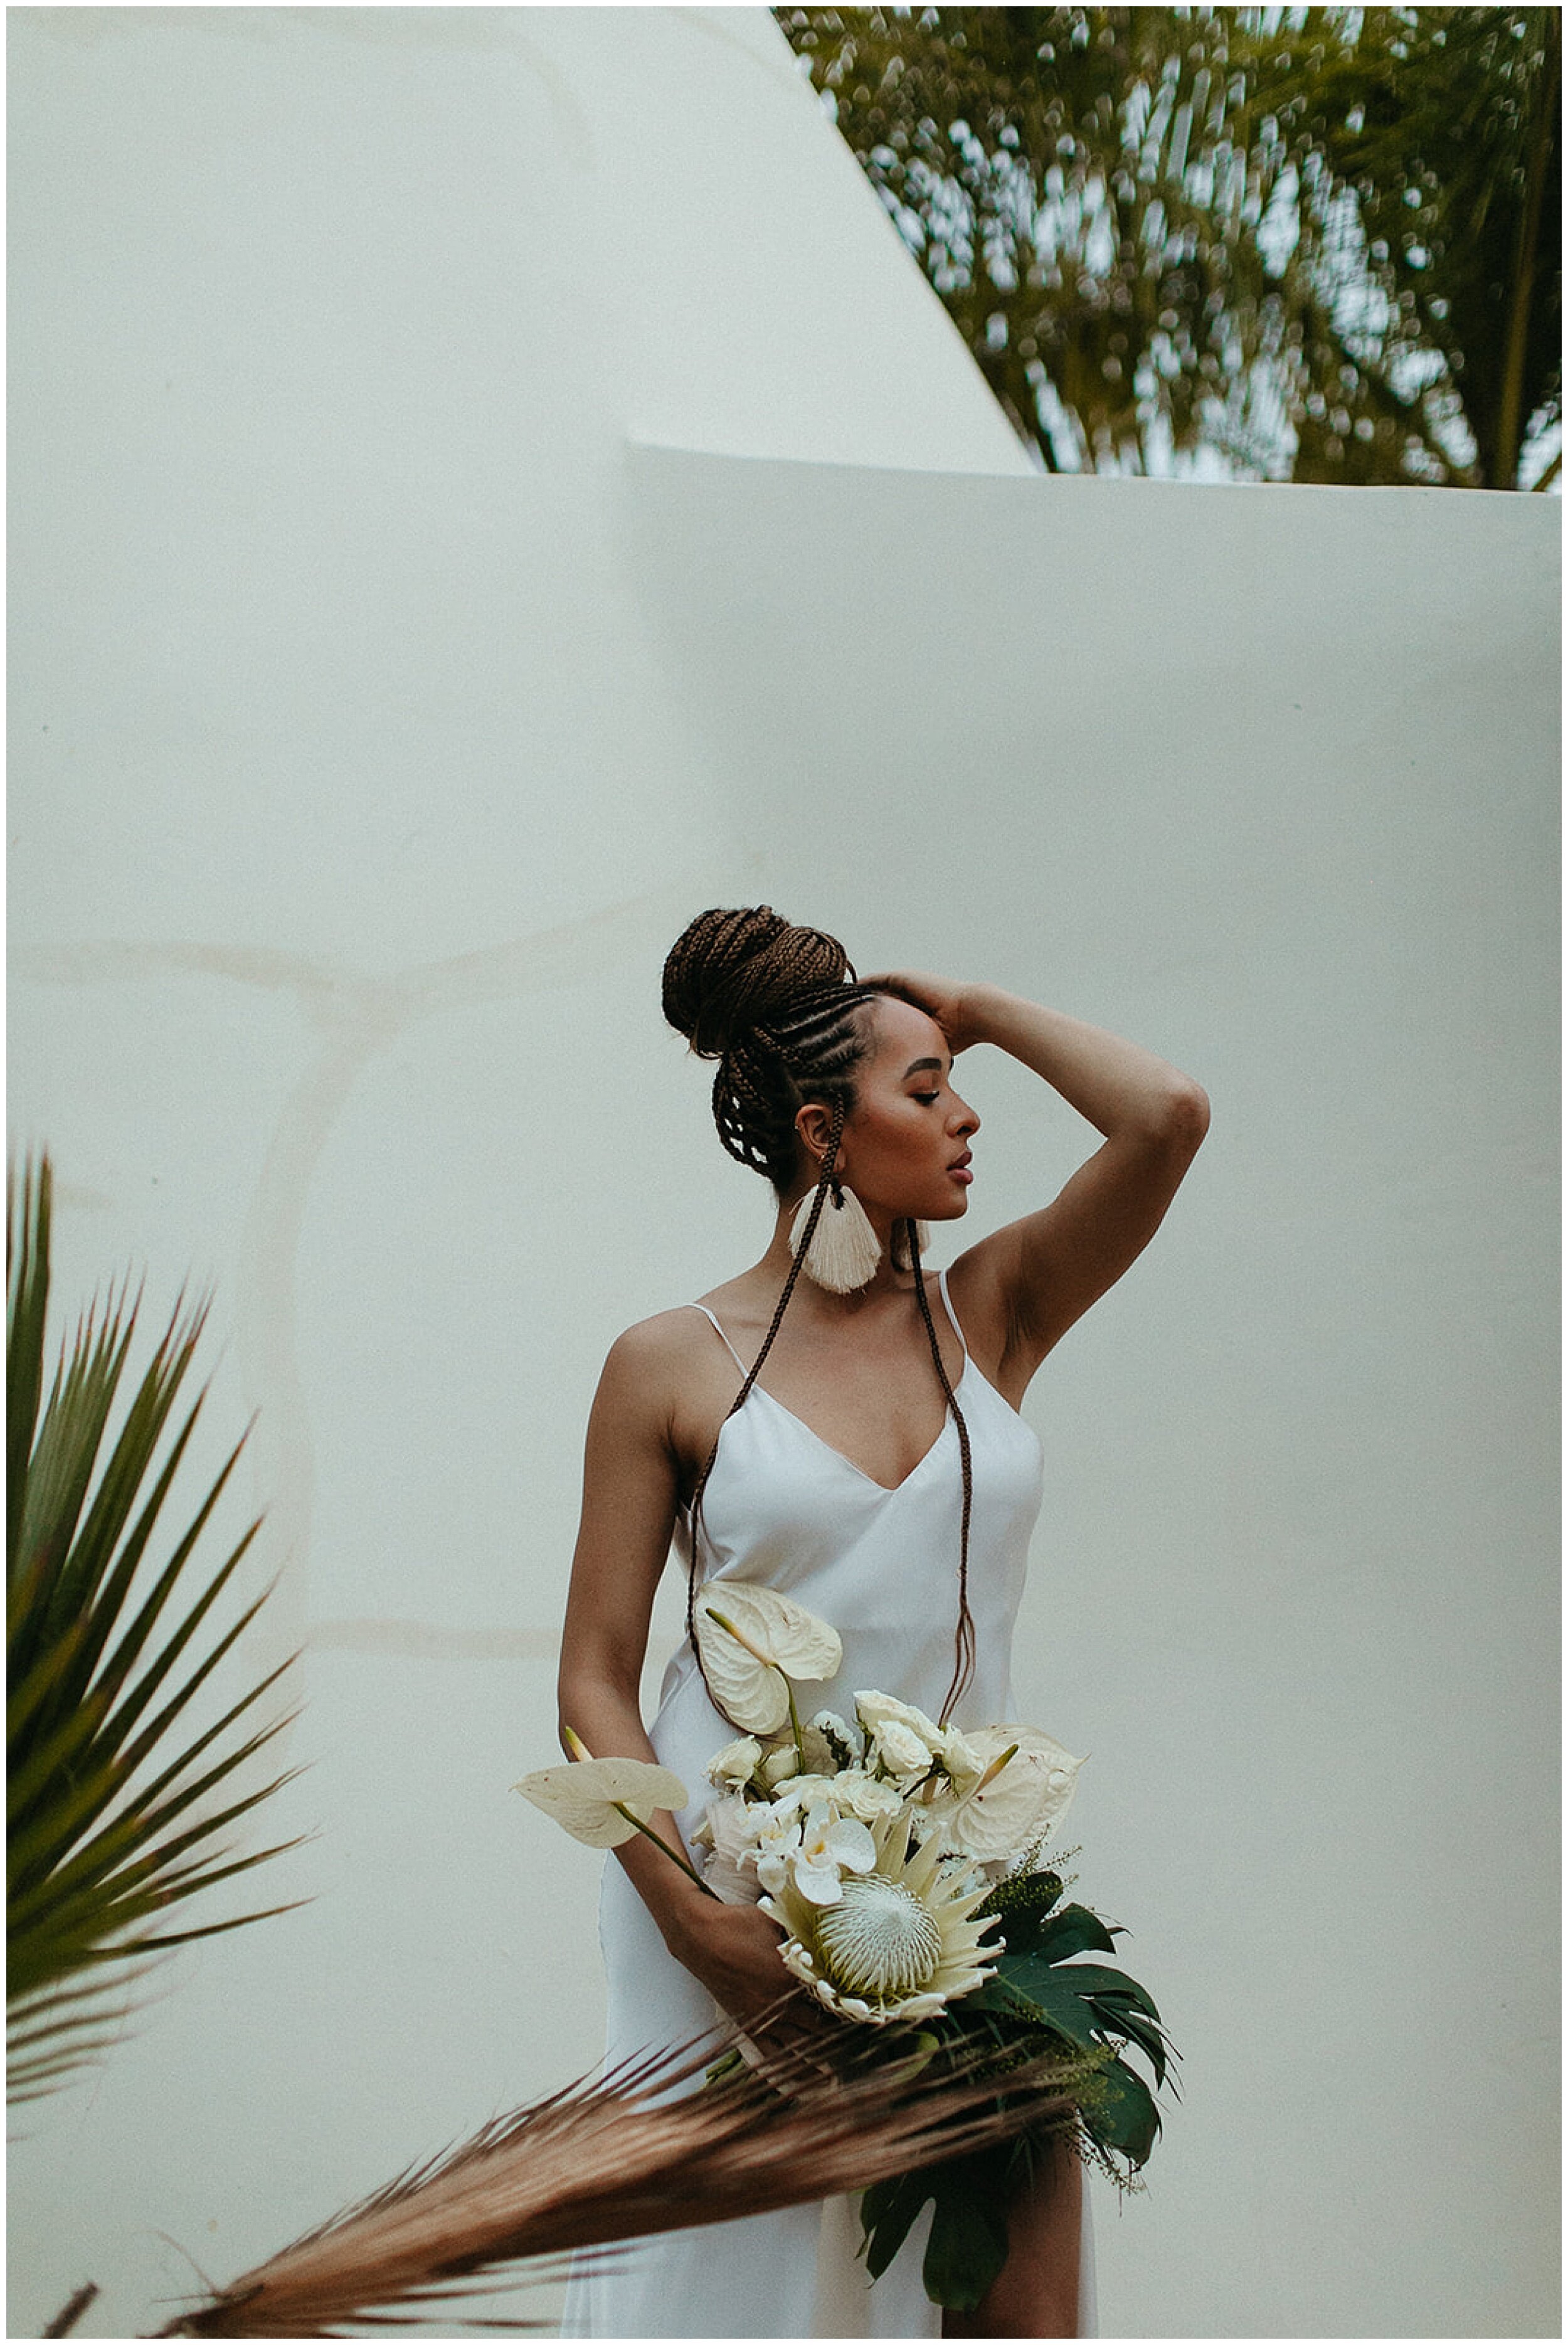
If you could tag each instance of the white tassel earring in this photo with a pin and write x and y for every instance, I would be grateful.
(845, 1250)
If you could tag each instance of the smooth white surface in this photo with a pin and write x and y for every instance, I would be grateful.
(380, 714)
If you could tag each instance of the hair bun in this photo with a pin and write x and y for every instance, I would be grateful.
(733, 972)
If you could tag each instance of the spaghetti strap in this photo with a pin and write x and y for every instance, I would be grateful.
(947, 1306)
(724, 1338)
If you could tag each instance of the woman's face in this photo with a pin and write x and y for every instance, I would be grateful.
(905, 1147)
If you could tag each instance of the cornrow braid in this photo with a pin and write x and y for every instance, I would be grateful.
(779, 1007)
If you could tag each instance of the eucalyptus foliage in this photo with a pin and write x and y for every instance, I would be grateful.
(1323, 243)
(120, 1806)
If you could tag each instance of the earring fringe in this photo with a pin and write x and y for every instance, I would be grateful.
(845, 1250)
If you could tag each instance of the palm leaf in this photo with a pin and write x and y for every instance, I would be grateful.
(114, 1816)
(600, 2163)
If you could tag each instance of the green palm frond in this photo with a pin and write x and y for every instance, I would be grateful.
(114, 1818)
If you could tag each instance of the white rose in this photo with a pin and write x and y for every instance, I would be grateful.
(901, 1749)
(736, 1763)
(855, 1794)
(778, 1766)
(963, 1761)
(905, 1739)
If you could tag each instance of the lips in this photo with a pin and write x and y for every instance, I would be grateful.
(959, 1168)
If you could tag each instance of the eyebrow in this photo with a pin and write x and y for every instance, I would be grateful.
(919, 1066)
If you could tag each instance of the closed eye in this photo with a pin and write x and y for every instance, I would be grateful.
(925, 1097)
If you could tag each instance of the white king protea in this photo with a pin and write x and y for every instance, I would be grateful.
(898, 1942)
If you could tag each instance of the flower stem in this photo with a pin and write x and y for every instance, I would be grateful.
(648, 1834)
(794, 1720)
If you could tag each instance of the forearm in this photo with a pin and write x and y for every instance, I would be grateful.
(1117, 1085)
(610, 1723)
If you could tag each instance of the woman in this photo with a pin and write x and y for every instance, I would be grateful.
(880, 1473)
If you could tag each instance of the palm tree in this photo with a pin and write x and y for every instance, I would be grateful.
(118, 1807)
(1322, 243)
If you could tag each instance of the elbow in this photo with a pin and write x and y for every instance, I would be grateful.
(1186, 1116)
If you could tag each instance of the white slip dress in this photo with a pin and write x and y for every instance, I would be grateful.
(784, 1508)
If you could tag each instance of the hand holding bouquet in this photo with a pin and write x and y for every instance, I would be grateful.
(902, 1860)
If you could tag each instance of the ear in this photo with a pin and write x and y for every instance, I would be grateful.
(814, 1124)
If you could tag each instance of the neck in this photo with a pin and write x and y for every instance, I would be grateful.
(781, 1254)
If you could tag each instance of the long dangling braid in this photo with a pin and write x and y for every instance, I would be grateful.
(963, 1644)
(824, 1182)
(779, 1007)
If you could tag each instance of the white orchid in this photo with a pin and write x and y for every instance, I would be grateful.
(754, 1642)
(830, 1846)
(776, 1836)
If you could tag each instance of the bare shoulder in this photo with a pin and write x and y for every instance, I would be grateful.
(650, 1362)
(980, 1304)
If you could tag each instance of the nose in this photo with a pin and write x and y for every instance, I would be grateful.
(964, 1118)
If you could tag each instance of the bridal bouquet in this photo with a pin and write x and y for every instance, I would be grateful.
(902, 1860)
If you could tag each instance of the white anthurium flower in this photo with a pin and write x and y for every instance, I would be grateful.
(736, 1763)
(588, 1797)
(899, 1943)
(1023, 1803)
(768, 1639)
(829, 1845)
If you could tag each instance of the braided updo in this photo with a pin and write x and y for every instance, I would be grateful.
(778, 1007)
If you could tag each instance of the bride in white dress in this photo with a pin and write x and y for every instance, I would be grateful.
(862, 1450)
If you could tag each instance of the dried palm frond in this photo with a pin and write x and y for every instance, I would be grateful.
(599, 2163)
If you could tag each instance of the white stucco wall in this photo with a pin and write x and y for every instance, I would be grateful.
(383, 706)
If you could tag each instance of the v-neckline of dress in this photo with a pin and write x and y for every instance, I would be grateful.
(888, 1489)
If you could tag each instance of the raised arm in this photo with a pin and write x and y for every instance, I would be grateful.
(1028, 1282)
